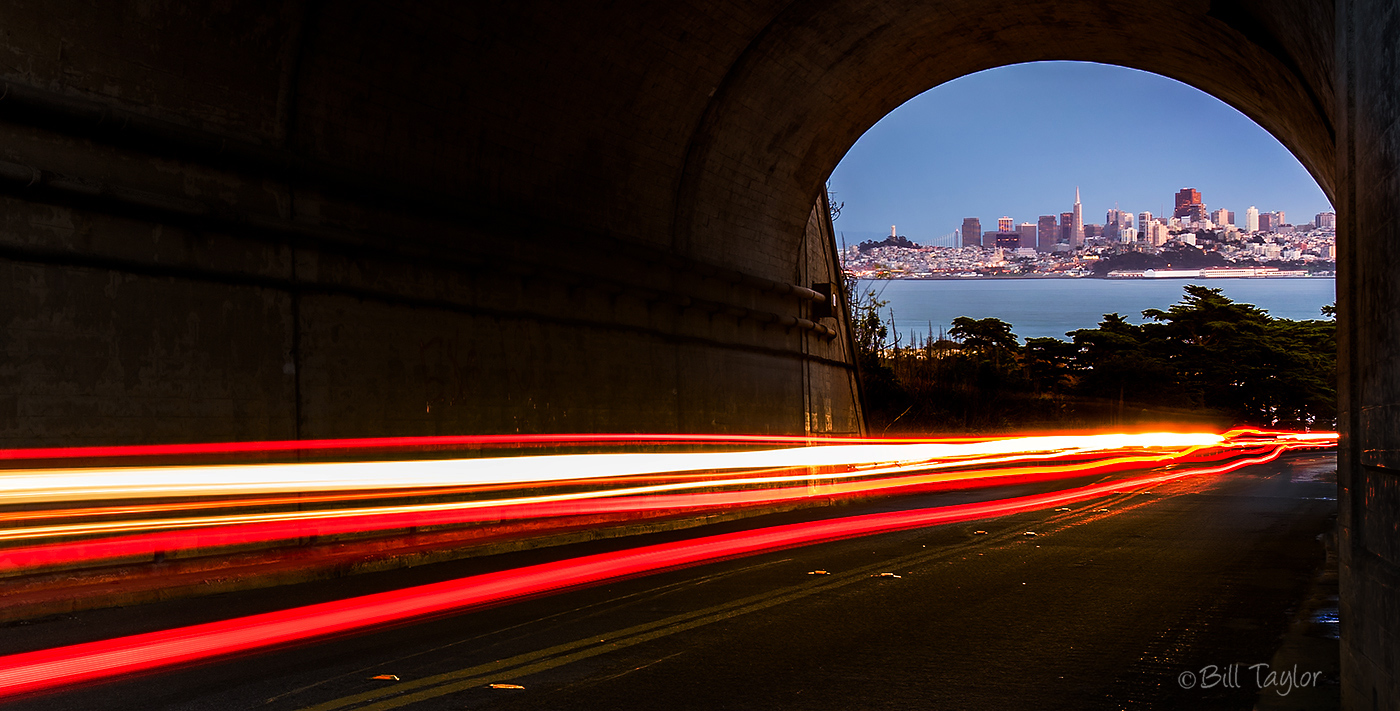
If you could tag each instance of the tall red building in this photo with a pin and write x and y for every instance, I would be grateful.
(1189, 205)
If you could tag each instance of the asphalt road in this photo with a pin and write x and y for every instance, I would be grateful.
(1108, 606)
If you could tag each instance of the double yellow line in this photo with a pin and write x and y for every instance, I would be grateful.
(523, 665)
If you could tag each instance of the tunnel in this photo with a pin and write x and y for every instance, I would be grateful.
(303, 219)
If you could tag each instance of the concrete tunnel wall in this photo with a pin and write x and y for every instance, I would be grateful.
(348, 219)
(317, 219)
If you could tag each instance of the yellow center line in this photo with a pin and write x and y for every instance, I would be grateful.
(559, 655)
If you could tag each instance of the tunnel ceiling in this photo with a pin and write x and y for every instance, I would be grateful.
(705, 126)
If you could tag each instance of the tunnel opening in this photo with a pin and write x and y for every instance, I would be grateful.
(1124, 139)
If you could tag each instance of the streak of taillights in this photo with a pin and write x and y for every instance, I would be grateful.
(45, 669)
(223, 531)
(127, 537)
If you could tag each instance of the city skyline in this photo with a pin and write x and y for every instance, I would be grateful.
(956, 152)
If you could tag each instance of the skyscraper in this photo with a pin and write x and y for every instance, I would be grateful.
(972, 232)
(1156, 233)
(1027, 231)
(1251, 219)
(1266, 222)
(1005, 240)
(1116, 222)
(1326, 220)
(1077, 235)
(1220, 217)
(1144, 223)
(1186, 198)
(1067, 227)
(1006, 224)
(1048, 233)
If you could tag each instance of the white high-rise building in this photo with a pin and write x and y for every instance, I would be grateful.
(1251, 219)
(1076, 234)
(1144, 220)
(1157, 233)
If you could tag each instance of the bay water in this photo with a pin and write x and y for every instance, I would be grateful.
(1038, 308)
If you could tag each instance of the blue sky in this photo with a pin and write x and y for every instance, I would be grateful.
(1017, 140)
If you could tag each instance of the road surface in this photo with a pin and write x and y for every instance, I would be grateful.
(1122, 602)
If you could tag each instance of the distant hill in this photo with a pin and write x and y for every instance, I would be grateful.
(899, 241)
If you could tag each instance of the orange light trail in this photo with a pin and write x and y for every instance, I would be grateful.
(515, 441)
(848, 470)
(222, 531)
(45, 669)
(54, 485)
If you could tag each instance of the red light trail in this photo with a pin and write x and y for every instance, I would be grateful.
(216, 531)
(855, 470)
(335, 494)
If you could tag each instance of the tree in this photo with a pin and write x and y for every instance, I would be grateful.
(1122, 362)
(869, 332)
(983, 335)
(1050, 363)
(1210, 352)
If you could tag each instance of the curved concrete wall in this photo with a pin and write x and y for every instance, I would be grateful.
(342, 219)
(316, 219)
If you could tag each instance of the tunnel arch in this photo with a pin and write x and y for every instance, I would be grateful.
(272, 220)
(821, 74)
(976, 142)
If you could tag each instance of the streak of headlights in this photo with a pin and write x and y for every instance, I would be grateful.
(791, 474)
(46, 669)
(151, 482)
